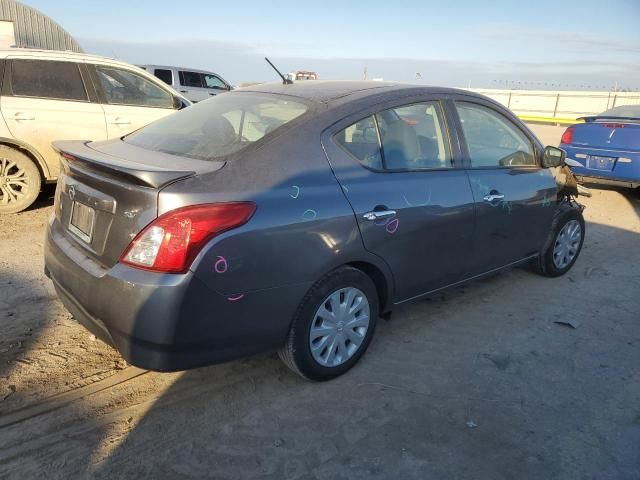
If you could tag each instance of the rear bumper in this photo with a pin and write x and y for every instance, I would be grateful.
(625, 172)
(607, 181)
(165, 322)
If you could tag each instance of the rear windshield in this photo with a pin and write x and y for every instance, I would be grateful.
(219, 126)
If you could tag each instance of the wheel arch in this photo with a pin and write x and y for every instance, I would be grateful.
(30, 152)
(383, 284)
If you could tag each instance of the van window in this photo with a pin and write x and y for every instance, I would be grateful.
(190, 79)
(47, 79)
(221, 126)
(165, 75)
(123, 87)
(211, 81)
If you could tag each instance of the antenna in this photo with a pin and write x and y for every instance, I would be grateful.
(285, 81)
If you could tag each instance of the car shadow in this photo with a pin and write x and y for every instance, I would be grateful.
(475, 382)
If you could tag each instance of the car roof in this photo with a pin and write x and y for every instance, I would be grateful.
(172, 67)
(36, 52)
(331, 91)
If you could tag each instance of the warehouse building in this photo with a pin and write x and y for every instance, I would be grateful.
(25, 27)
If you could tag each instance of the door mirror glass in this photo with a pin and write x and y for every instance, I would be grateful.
(552, 157)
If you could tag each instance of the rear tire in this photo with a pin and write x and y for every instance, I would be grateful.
(323, 323)
(20, 181)
(563, 245)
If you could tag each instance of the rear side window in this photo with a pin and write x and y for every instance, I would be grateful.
(123, 87)
(190, 79)
(164, 75)
(47, 79)
(411, 137)
(219, 127)
(361, 141)
(414, 138)
(492, 139)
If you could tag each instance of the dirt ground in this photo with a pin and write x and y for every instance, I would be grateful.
(477, 382)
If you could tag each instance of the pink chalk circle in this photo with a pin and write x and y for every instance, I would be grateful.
(393, 225)
(221, 265)
(235, 298)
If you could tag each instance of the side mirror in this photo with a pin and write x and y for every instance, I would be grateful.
(552, 157)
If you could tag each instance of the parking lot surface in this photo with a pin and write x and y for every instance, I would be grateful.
(476, 382)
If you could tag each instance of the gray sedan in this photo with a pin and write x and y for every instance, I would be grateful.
(292, 217)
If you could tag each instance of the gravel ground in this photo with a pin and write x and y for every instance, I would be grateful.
(477, 382)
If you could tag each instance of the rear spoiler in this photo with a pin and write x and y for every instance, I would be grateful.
(593, 118)
(78, 153)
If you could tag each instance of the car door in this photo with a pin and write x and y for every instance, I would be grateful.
(191, 85)
(129, 99)
(514, 195)
(46, 100)
(412, 200)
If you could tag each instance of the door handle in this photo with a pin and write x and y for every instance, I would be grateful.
(120, 121)
(493, 197)
(378, 214)
(21, 116)
(184, 91)
(212, 94)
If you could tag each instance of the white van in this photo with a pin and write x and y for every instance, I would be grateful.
(196, 85)
(51, 95)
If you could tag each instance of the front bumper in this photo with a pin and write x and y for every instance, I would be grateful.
(165, 322)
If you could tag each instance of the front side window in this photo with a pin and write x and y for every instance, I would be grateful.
(47, 79)
(219, 127)
(165, 75)
(211, 81)
(190, 79)
(492, 139)
(123, 87)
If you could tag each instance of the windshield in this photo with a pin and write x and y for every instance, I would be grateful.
(219, 126)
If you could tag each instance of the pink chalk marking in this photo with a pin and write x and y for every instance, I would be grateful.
(236, 298)
(221, 265)
(393, 225)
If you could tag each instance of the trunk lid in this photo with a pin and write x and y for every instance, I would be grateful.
(609, 135)
(108, 192)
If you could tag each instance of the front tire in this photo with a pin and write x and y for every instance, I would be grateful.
(564, 244)
(20, 181)
(333, 325)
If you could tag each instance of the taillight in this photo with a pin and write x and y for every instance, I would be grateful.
(171, 242)
(567, 136)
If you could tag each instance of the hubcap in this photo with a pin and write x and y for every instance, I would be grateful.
(339, 327)
(13, 182)
(567, 242)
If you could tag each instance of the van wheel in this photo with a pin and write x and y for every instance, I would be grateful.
(20, 181)
(333, 325)
(564, 244)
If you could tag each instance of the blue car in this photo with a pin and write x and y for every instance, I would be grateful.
(607, 147)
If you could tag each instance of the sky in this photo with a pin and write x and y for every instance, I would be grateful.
(546, 44)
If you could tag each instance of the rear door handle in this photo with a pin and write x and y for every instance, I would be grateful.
(184, 91)
(212, 94)
(492, 197)
(377, 215)
(21, 116)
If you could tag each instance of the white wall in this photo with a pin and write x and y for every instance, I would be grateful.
(569, 104)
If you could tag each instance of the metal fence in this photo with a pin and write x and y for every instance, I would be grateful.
(558, 107)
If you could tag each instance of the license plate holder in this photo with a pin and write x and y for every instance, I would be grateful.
(597, 162)
(81, 221)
